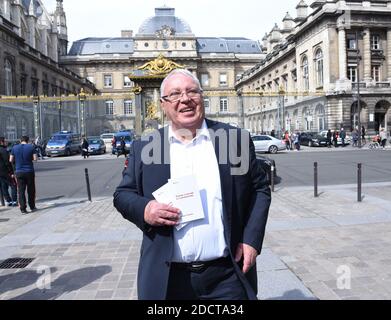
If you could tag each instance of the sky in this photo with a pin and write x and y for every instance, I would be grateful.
(222, 18)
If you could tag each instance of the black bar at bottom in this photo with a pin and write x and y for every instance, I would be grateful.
(315, 179)
(359, 182)
(88, 184)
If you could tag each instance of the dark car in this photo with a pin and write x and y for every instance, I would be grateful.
(312, 139)
(96, 146)
(128, 136)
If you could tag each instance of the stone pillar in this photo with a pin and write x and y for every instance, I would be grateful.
(342, 54)
(366, 54)
(389, 54)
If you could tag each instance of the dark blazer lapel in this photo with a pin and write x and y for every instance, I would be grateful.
(225, 175)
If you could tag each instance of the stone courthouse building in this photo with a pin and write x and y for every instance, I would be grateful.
(308, 73)
(31, 44)
(314, 66)
(141, 59)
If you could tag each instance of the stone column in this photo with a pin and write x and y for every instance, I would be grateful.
(389, 54)
(366, 54)
(342, 54)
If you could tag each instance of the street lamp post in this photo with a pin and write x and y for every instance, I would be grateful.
(358, 91)
(59, 104)
(82, 99)
(36, 116)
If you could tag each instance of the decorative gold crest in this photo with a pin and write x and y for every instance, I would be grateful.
(160, 66)
(137, 89)
(151, 111)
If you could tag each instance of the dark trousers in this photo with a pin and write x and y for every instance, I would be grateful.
(5, 184)
(26, 180)
(217, 282)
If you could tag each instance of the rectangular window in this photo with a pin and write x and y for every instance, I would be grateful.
(351, 41)
(127, 82)
(207, 105)
(109, 108)
(34, 87)
(108, 81)
(204, 80)
(375, 42)
(223, 104)
(352, 74)
(128, 107)
(223, 79)
(376, 73)
(23, 86)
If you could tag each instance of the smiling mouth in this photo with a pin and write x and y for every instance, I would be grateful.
(187, 110)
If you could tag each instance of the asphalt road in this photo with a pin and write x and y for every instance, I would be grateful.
(65, 178)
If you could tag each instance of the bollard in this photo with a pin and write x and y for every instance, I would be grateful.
(359, 182)
(315, 179)
(272, 177)
(88, 185)
(2, 197)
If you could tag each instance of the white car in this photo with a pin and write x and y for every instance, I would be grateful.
(107, 139)
(265, 143)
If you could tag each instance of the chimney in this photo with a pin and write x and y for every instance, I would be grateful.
(126, 33)
(302, 11)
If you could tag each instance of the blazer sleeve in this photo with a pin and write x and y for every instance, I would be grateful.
(254, 230)
(128, 198)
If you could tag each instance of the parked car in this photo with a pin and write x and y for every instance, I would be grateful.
(129, 137)
(312, 139)
(96, 145)
(266, 143)
(63, 143)
(348, 139)
(107, 139)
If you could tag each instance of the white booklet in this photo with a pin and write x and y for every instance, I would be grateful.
(182, 193)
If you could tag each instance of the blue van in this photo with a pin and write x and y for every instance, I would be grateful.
(63, 143)
(129, 137)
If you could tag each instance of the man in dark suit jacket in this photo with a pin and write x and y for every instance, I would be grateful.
(245, 201)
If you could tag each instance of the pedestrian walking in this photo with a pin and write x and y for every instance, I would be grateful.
(7, 178)
(287, 140)
(363, 139)
(355, 136)
(335, 138)
(273, 133)
(329, 135)
(342, 135)
(296, 142)
(39, 148)
(383, 138)
(84, 148)
(22, 156)
(122, 148)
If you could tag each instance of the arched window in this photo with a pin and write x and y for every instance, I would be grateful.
(319, 68)
(8, 78)
(10, 128)
(305, 71)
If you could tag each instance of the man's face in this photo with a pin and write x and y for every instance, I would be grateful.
(186, 113)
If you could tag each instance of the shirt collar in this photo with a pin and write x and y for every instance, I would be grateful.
(201, 132)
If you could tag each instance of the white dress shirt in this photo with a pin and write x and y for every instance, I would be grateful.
(201, 240)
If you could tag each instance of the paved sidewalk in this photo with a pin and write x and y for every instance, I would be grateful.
(86, 250)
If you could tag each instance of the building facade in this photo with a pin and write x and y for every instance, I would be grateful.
(318, 66)
(117, 65)
(31, 43)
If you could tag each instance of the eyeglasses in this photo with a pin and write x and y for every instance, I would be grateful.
(176, 95)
